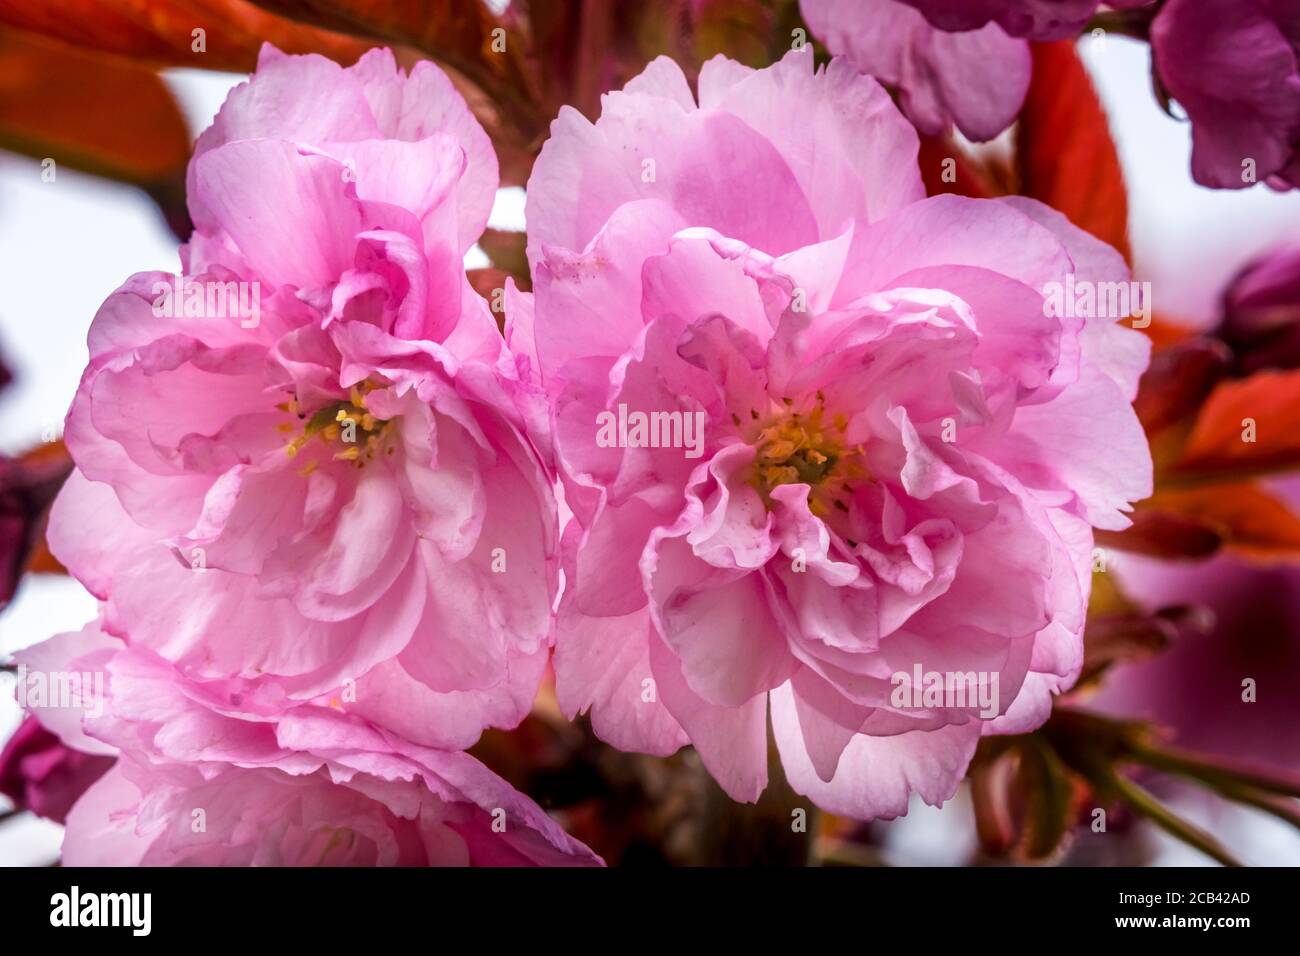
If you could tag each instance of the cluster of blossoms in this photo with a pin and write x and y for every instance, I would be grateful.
(323, 541)
(327, 543)
(1233, 66)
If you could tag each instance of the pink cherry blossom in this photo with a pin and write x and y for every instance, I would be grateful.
(903, 445)
(326, 485)
(197, 783)
(976, 79)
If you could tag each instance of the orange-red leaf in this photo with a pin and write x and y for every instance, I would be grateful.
(946, 168)
(102, 116)
(1265, 407)
(1246, 516)
(1065, 153)
(1178, 381)
(457, 32)
(487, 280)
(1163, 534)
(161, 32)
(1165, 333)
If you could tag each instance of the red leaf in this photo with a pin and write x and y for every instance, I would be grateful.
(161, 32)
(946, 168)
(71, 106)
(459, 33)
(490, 283)
(1178, 381)
(1245, 516)
(1163, 534)
(1065, 153)
(1265, 407)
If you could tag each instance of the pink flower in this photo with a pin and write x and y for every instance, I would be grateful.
(1234, 67)
(197, 783)
(40, 774)
(307, 469)
(975, 79)
(868, 443)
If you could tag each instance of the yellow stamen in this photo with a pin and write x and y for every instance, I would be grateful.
(797, 446)
(328, 423)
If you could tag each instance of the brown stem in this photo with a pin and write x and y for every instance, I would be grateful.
(1282, 809)
(1216, 774)
(766, 833)
(1146, 805)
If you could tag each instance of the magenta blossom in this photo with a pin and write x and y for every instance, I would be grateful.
(28, 485)
(826, 441)
(1261, 312)
(975, 79)
(196, 783)
(1033, 19)
(308, 469)
(965, 64)
(1230, 688)
(41, 774)
(1234, 67)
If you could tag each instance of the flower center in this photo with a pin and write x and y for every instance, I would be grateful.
(337, 838)
(346, 428)
(803, 447)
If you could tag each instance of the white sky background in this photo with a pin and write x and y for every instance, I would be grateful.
(64, 246)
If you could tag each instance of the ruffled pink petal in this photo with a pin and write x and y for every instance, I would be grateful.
(602, 665)
(851, 152)
(305, 237)
(731, 740)
(875, 776)
(975, 79)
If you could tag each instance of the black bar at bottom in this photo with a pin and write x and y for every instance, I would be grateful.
(329, 906)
